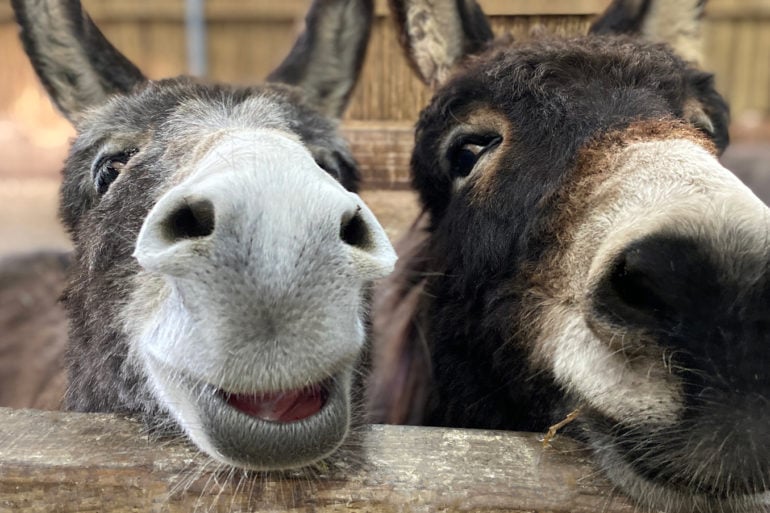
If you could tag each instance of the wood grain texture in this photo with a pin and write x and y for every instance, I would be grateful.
(382, 150)
(247, 38)
(238, 10)
(68, 462)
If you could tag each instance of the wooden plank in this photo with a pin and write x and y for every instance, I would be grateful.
(744, 65)
(549, 8)
(761, 88)
(527, 7)
(70, 462)
(383, 151)
(745, 9)
(240, 10)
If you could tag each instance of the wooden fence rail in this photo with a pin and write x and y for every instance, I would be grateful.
(56, 462)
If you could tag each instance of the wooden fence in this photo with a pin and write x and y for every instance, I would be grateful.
(54, 462)
(65, 462)
(247, 38)
(737, 49)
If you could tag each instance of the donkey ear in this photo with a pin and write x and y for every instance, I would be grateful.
(76, 64)
(327, 57)
(676, 22)
(438, 34)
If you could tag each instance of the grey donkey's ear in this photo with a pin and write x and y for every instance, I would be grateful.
(438, 34)
(77, 65)
(327, 57)
(676, 22)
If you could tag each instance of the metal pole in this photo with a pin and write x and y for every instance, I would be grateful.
(195, 29)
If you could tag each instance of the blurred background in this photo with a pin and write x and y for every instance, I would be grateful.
(240, 41)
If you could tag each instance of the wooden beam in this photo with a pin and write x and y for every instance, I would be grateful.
(249, 10)
(74, 462)
(527, 7)
(383, 151)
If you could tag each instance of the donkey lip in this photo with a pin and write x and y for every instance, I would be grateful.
(281, 406)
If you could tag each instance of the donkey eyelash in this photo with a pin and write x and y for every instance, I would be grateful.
(108, 167)
(466, 150)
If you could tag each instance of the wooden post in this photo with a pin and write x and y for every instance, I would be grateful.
(73, 462)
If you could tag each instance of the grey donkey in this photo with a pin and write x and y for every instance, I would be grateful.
(220, 278)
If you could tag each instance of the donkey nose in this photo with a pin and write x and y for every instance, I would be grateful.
(706, 306)
(653, 280)
(185, 225)
(194, 218)
(258, 199)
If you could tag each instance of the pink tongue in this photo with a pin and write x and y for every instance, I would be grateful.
(280, 406)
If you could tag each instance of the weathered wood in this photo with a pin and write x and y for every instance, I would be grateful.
(745, 9)
(248, 38)
(383, 151)
(240, 10)
(67, 462)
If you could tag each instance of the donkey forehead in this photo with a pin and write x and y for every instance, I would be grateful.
(594, 81)
(178, 109)
(548, 63)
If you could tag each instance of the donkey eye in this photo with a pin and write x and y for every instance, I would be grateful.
(466, 152)
(109, 167)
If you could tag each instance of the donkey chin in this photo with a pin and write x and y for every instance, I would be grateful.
(711, 485)
(247, 408)
(660, 341)
(254, 428)
(664, 438)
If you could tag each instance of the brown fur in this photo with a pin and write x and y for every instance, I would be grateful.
(401, 345)
(588, 252)
(32, 373)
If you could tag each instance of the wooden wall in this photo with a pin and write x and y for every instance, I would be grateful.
(247, 38)
(737, 50)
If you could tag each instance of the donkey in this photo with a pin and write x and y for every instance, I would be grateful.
(581, 248)
(222, 261)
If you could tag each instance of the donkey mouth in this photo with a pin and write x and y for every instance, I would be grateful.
(282, 406)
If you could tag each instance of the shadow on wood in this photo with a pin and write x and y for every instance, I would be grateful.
(68, 462)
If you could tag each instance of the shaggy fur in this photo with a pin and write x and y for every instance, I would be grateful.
(220, 280)
(592, 255)
(166, 116)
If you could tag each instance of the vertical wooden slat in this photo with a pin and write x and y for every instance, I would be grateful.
(760, 96)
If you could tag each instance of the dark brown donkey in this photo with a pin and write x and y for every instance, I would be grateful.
(222, 260)
(581, 248)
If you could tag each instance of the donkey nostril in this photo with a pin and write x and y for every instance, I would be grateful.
(633, 285)
(649, 282)
(353, 230)
(193, 219)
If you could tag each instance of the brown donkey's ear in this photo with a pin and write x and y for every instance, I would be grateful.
(77, 65)
(327, 57)
(676, 22)
(437, 34)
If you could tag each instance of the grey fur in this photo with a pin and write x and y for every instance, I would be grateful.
(326, 59)
(171, 316)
